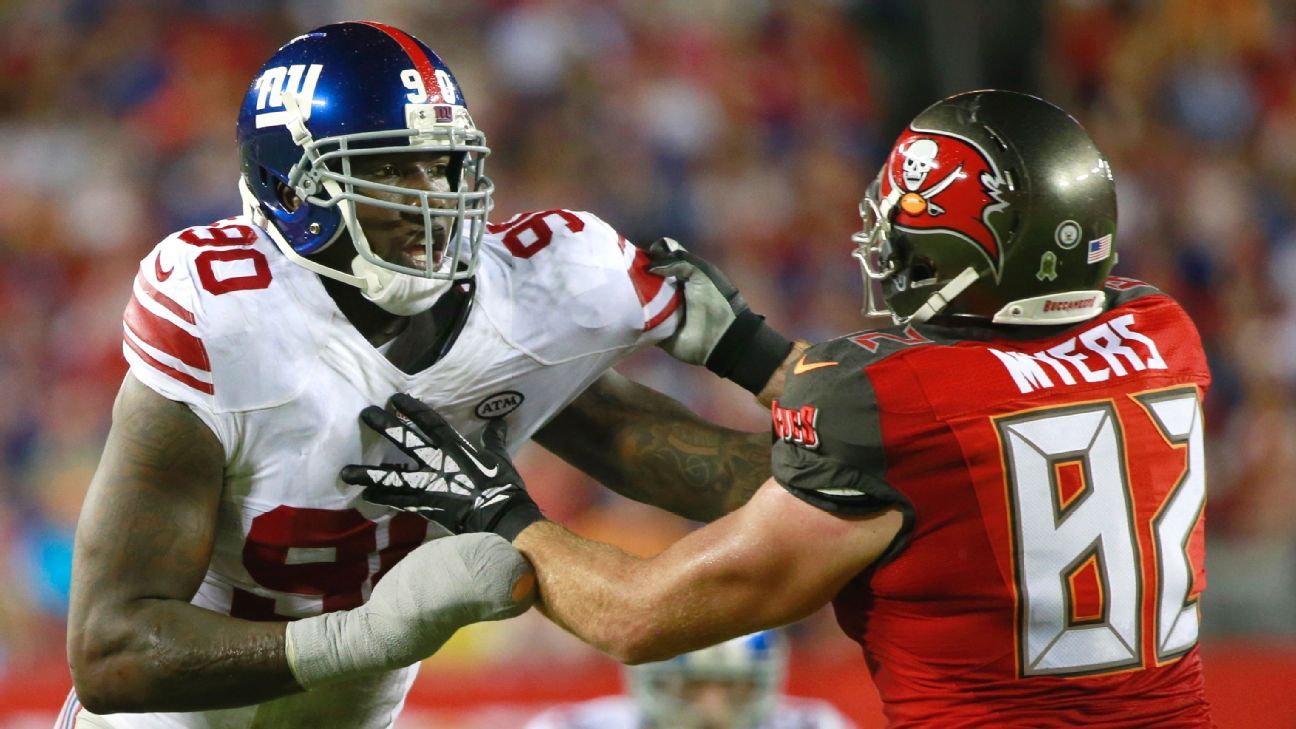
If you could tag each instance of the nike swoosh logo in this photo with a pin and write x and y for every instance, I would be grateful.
(802, 368)
(157, 269)
(487, 472)
(491, 502)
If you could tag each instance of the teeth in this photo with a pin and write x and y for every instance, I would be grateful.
(419, 259)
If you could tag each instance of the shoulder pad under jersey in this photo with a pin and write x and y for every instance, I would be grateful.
(217, 319)
(1122, 290)
(562, 284)
(828, 446)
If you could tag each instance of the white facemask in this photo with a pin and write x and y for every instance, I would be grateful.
(398, 293)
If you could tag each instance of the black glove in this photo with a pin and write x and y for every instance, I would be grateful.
(455, 484)
(719, 330)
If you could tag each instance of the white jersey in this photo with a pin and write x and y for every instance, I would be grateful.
(223, 322)
(621, 712)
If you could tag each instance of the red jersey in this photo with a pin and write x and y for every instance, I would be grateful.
(1053, 483)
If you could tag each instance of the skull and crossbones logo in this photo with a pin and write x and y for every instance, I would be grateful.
(919, 161)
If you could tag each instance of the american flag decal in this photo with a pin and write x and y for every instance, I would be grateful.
(1099, 249)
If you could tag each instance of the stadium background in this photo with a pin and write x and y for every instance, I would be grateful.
(747, 130)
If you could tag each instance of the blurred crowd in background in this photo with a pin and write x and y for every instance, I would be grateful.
(747, 129)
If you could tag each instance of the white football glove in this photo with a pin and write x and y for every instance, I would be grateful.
(720, 330)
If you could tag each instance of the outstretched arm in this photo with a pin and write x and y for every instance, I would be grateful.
(143, 543)
(650, 448)
(771, 562)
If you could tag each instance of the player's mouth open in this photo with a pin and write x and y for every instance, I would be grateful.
(417, 252)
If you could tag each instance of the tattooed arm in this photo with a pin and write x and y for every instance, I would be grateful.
(143, 543)
(648, 447)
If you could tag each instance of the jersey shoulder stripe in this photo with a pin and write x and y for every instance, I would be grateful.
(165, 335)
(658, 299)
(160, 340)
(167, 302)
(131, 347)
(219, 318)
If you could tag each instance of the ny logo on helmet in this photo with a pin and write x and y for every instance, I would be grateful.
(275, 82)
(948, 184)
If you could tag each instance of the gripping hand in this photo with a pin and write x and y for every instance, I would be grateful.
(436, 589)
(720, 330)
(463, 487)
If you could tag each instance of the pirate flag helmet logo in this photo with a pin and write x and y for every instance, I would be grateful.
(964, 215)
(945, 183)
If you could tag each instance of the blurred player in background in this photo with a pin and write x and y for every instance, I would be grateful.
(220, 566)
(734, 685)
(1002, 494)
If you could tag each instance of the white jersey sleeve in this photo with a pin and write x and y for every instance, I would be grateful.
(210, 324)
(577, 287)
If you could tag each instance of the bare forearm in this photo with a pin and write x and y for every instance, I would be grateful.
(604, 596)
(695, 468)
(167, 655)
(774, 561)
(691, 468)
(650, 448)
(700, 591)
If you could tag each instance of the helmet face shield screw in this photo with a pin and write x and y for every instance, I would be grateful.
(314, 228)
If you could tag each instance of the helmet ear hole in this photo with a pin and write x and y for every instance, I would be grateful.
(921, 270)
(287, 197)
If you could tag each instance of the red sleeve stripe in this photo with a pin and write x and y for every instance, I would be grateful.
(166, 301)
(669, 308)
(166, 336)
(647, 285)
(168, 370)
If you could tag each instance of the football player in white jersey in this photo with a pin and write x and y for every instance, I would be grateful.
(733, 685)
(222, 569)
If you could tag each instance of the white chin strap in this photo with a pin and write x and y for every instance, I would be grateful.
(939, 300)
(398, 293)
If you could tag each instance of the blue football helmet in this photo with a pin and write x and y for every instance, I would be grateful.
(351, 89)
(744, 677)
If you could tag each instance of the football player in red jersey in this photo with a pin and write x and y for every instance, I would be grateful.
(1002, 495)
